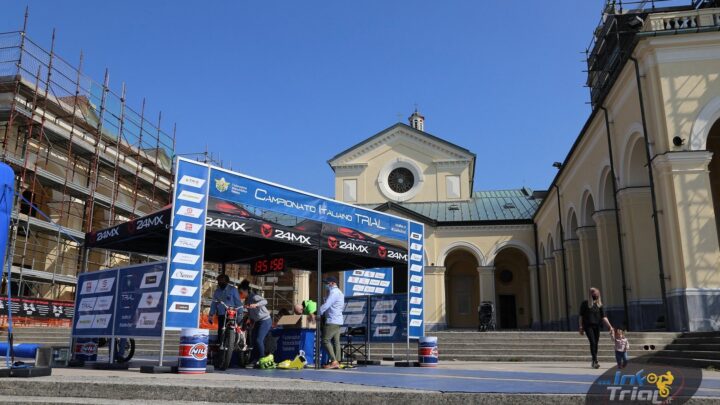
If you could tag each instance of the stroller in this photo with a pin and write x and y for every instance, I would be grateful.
(486, 315)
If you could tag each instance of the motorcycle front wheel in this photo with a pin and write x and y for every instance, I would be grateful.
(124, 350)
(229, 347)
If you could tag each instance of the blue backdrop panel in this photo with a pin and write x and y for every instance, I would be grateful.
(140, 300)
(388, 318)
(187, 245)
(241, 189)
(7, 192)
(95, 303)
(368, 281)
(416, 280)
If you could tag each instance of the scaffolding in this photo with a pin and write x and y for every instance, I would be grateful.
(84, 160)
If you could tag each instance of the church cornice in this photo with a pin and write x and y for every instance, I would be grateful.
(401, 130)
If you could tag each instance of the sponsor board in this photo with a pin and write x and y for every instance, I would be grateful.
(185, 258)
(148, 320)
(150, 299)
(104, 285)
(141, 302)
(182, 307)
(182, 274)
(190, 227)
(368, 281)
(104, 303)
(189, 243)
(95, 302)
(151, 280)
(192, 181)
(188, 211)
(186, 195)
(87, 304)
(183, 290)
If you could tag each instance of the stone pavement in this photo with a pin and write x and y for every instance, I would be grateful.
(450, 383)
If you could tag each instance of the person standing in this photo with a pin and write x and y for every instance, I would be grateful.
(332, 309)
(621, 348)
(592, 315)
(258, 313)
(227, 294)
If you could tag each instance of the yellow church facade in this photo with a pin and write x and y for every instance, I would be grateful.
(645, 234)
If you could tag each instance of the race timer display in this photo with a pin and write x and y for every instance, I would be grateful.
(265, 266)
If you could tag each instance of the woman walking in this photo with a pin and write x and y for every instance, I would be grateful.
(258, 313)
(591, 316)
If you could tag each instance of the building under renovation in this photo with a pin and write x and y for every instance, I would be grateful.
(84, 159)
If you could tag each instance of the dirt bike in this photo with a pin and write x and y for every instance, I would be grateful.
(234, 338)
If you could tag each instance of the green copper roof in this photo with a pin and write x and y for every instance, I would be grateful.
(500, 205)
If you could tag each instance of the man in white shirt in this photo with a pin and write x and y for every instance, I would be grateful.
(332, 309)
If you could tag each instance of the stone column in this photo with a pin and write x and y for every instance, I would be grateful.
(544, 294)
(576, 284)
(534, 293)
(689, 232)
(487, 284)
(301, 281)
(560, 288)
(551, 319)
(639, 242)
(587, 235)
(435, 308)
(609, 255)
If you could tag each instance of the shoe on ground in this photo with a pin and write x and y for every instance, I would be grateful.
(332, 366)
(596, 365)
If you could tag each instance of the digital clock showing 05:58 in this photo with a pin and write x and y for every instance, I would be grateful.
(268, 265)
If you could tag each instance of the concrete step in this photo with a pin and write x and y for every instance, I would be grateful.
(518, 358)
(697, 340)
(687, 362)
(690, 354)
(701, 347)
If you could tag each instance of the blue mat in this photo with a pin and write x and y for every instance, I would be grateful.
(445, 380)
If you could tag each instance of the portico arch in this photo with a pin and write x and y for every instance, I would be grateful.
(469, 247)
(713, 145)
(513, 289)
(462, 287)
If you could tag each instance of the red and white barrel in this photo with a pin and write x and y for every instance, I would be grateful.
(86, 349)
(428, 351)
(193, 351)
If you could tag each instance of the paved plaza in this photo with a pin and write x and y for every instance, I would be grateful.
(451, 382)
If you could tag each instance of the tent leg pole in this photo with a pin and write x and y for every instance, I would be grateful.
(318, 327)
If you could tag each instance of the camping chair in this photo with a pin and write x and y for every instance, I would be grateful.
(350, 350)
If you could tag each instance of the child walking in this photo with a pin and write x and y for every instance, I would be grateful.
(621, 347)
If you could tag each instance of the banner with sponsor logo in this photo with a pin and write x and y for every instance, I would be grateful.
(368, 281)
(383, 317)
(416, 280)
(234, 187)
(37, 308)
(140, 300)
(388, 318)
(186, 245)
(95, 300)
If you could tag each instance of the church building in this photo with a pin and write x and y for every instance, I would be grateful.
(634, 209)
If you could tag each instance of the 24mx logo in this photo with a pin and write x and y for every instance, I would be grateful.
(148, 222)
(353, 247)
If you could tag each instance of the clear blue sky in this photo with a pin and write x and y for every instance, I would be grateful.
(278, 87)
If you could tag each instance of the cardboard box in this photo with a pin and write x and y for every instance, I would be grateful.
(296, 321)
